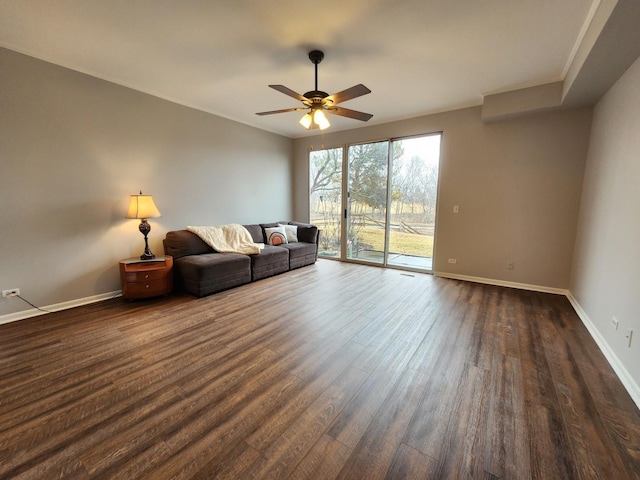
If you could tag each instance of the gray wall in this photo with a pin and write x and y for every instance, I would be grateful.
(606, 267)
(72, 150)
(517, 182)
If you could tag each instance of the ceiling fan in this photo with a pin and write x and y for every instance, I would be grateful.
(317, 102)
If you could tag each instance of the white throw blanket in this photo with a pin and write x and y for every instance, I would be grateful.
(232, 238)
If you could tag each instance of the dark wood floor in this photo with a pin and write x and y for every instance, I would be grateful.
(330, 371)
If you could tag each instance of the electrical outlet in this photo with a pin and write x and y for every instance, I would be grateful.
(615, 323)
(510, 265)
(12, 292)
(453, 260)
(629, 336)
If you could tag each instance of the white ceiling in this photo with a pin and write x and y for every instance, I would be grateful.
(417, 56)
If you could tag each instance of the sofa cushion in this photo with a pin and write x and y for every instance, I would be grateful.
(180, 243)
(275, 235)
(301, 254)
(272, 224)
(270, 261)
(257, 233)
(212, 272)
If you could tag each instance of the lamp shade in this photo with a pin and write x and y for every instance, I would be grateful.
(142, 206)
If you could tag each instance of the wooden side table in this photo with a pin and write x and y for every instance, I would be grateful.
(146, 278)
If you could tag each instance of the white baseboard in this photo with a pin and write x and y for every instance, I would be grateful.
(34, 312)
(618, 367)
(503, 283)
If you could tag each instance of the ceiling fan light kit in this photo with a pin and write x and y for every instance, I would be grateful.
(317, 103)
(320, 119)
(306, 120)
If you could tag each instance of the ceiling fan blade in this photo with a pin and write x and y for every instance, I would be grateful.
(346, 112)
(348, 94)
(291, 93)
(282, 111)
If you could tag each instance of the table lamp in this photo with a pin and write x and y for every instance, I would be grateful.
(142, 207)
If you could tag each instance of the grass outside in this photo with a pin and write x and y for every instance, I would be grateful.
(399, 242)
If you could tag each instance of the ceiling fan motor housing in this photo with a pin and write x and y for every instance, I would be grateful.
(316, 96)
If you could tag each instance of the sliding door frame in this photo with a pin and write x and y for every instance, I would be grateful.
(344, 227)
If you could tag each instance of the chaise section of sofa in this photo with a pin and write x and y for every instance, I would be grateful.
(200, 270)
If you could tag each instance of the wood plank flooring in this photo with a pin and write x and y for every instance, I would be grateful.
(334, 371)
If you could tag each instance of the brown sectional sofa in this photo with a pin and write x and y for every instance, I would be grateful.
(200, 270)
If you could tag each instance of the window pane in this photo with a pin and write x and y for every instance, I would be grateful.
(414, 184)
(367, 201)
(325, 198)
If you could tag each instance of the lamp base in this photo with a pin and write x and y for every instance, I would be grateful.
(145, 228)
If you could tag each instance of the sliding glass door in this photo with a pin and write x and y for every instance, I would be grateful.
(387, 198)
(367, 201)
(412, 207)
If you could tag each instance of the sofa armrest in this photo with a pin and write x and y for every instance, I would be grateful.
(307, 232)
